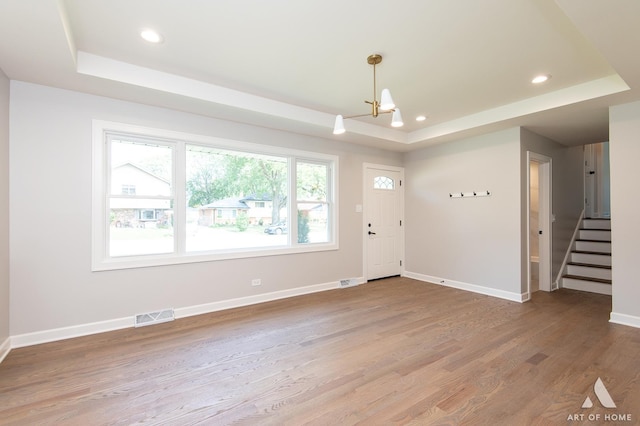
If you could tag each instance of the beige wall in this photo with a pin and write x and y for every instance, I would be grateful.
(624, 151)
(4, 213)
(470, 242)
(52, 285)
(480, 243)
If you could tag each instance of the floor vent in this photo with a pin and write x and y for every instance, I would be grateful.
(348, 283)
(154, 317)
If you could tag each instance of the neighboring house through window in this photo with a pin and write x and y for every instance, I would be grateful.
(128, 189)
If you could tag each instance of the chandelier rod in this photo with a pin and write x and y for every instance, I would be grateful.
(374, 60)
(375, 102)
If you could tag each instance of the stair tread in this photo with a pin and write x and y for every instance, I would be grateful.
(597, 280)
(592, 252)
(596, 252)
(590, 265)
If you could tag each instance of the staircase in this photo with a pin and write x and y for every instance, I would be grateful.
(589, 265)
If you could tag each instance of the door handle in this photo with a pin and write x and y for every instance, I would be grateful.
(372, 233)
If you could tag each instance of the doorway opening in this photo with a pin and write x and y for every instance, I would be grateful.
(534, 216)
(539, 220)
(597, 202)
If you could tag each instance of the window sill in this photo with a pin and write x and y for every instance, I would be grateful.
(131, 262)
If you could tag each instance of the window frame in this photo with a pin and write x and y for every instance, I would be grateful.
(179, 140)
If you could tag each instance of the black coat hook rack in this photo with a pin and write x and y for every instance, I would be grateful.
(469, 194)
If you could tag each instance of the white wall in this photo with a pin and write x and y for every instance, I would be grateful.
(52, 285)
(4, 214)
(624, 151)
(567, 194)
(469, 243)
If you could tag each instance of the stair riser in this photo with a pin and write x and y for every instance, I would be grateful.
(594, 259)
(589, 286)
(596, 246)
(585, 271)
(594, 234)
(596, 224)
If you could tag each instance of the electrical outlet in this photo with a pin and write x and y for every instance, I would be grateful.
(256, 282)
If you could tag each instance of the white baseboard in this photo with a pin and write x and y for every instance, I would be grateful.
(488, 291)
(252, 300)
(45, 336)
(630, 320)
(52, 335)
(5, 347)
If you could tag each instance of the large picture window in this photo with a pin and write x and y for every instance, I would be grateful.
(163, 197)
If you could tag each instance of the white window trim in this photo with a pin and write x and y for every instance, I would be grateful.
(100, 259)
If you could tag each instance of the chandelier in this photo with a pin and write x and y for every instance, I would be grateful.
(384, 106)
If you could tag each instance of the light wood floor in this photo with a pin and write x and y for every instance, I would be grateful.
(394, 351)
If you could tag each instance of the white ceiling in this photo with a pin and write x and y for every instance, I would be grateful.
(294, 65)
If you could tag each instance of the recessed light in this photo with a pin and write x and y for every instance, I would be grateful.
(541, 78)
(421, 118)
(151, 36)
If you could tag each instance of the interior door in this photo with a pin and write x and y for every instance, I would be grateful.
(382, 222)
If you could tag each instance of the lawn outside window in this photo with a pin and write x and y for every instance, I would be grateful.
(162, 197)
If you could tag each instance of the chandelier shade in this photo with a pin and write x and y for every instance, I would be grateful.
(338, 127)
(396, 118)
(386, 102)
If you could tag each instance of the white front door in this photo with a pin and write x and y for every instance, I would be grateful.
(382, 221)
